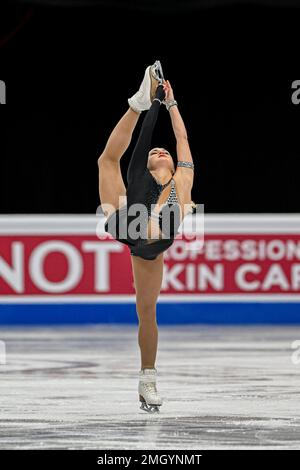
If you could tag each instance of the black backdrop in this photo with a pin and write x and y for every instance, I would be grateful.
(69, 72)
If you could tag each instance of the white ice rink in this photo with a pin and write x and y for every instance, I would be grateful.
(223, 388)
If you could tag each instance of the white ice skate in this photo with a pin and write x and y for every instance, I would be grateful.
(142, 99)
(149, 397)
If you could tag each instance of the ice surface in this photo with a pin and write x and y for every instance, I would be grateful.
(223, 387)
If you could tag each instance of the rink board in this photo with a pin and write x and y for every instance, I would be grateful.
(65, 269)
(167, 313)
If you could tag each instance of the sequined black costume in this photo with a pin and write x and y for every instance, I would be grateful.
(144, 189)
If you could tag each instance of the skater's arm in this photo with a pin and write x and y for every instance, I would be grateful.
(182, 144)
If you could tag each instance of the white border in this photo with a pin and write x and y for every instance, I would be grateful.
(164, 298)
(86, 224)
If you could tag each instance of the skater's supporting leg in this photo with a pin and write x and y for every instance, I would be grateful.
(147, 335)
(148, 276)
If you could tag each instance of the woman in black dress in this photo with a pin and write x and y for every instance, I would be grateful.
(165, 195)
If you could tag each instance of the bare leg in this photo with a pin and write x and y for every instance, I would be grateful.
(148, 275)
(111, 184)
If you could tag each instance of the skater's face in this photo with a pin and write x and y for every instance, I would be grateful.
(159, 157)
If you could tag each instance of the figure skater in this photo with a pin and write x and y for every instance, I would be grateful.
(163, 192)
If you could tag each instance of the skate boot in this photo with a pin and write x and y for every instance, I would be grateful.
(149, 398)
(142, 99)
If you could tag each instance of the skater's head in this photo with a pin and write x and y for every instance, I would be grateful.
(159, 157)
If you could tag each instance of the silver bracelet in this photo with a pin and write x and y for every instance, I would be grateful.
(186, 164)
(171, 103)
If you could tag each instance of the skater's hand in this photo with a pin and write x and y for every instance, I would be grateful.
(168, 90)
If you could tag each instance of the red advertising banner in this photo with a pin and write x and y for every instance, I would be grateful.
(60, 264)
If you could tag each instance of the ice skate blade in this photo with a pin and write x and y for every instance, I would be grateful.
(157, 72)
(153, 86)
(147, 407)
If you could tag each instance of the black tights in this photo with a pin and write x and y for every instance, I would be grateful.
(139, 158)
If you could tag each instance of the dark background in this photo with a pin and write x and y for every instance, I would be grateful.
(69, 72)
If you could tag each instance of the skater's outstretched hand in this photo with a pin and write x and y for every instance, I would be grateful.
(168, 90)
